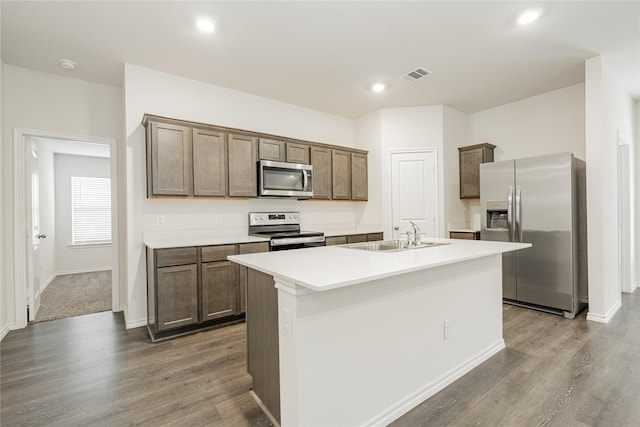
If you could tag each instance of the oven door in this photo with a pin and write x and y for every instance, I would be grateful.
(296, 246)
(283, 244)
(281, 179)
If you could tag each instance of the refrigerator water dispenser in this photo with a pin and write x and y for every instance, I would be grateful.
(497, 215)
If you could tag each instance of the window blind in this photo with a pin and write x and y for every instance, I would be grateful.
(90, 210)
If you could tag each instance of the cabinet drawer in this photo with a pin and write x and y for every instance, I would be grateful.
(336, 240)
(175, 256)
(373, 237)
(218, 253)
(463, 235)
(357, 238)
(252, 248)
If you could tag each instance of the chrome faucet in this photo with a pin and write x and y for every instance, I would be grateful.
(416, 234)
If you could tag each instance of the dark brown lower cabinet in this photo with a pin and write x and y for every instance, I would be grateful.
(219, 290)
(177, 296)
(353, 238)
(191, 288)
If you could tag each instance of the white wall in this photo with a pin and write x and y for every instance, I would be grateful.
(154, 92)
(635, 223)
(80, 258)
(545, 124)
(411, 128)
(369, 137)
(553, 122)
(4, 321)
(456, 134)
(40, 101)
(609, 109)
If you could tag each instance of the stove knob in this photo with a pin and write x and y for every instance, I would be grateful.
(261, 217)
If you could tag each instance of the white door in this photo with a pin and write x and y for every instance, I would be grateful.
(33, 234)
(414, 192)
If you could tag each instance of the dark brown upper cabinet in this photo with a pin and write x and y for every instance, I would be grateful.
(470, 158)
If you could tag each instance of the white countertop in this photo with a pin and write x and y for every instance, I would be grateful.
(184, 238)
(164, 242)
(334, 267)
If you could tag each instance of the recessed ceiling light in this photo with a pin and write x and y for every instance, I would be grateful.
(528, 16)
(205, 25)
(68, 64)
(378, 87)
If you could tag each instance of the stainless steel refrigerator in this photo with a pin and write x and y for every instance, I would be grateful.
(539, 200)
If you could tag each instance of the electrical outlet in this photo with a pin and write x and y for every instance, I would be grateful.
(285, 322)
(160, 220)
(447, 329)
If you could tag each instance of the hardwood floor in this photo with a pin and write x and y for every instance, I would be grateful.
(89, 370)
(554, 371)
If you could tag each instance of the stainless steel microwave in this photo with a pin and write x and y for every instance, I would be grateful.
(281, 179)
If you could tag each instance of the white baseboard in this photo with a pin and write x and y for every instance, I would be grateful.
(133, 323)
(396, 411)
(5, 331)
(607, 316)
(48, 282)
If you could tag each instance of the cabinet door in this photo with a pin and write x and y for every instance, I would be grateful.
(209, 163)
(247, 248)
(341, 176)
(171, 173)
(270, 149)
(219, 290)
(242, 166)
(359, 177)
(470, 173)
(321, 161)
(177, 296)
(297, 153)
(470, 158)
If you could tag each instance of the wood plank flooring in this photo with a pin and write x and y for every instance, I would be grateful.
(90, 371)
(554, 372)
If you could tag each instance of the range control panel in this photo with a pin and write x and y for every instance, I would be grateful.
(274, 218)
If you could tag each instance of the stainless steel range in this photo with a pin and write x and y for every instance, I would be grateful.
(283, 230)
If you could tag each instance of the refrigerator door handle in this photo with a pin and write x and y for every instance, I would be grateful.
(510, 225)
(518, 227)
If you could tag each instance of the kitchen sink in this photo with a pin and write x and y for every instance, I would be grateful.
(391, 246)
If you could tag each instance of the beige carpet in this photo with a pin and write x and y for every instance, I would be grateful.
(74, 295)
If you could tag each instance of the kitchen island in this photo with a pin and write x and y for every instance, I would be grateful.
(343, 336)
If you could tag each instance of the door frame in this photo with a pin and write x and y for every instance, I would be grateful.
(388, 215)
(20, 137)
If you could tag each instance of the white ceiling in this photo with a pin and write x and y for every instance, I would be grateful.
(324, 55)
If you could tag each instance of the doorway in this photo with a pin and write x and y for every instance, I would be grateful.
(414, 192)
(56, 247)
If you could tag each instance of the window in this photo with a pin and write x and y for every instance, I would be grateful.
(90, 210)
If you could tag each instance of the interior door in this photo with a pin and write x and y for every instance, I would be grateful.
(34, 236)
(414, 192)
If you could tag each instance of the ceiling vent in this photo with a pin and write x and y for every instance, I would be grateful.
(416, 74)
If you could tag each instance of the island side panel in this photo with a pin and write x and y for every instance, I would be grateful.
(262, 339)
(368, 353)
